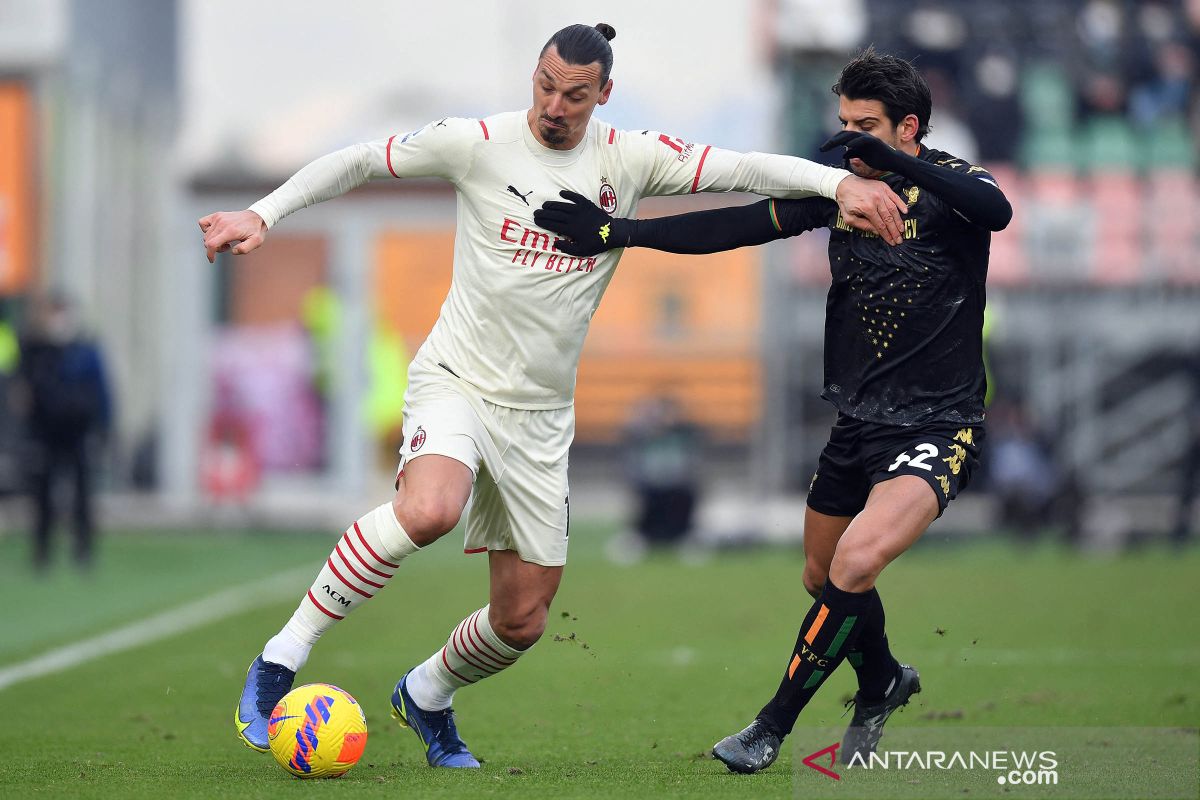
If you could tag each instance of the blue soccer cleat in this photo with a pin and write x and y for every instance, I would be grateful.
(435, 729)
(266, 684)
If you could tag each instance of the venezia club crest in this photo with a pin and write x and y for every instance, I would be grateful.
(608, 198)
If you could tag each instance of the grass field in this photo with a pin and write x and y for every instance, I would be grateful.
(641, 670)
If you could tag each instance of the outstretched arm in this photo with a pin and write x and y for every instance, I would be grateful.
(442, 149)
(592, 231)
(977, 198)
(327, 177)
(679, 167)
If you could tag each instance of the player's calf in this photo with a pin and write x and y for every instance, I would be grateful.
(814, 579)
(473, 652)
(360, 565)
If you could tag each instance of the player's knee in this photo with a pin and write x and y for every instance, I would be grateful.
(520, 628)
(426, 519)
(855, 569)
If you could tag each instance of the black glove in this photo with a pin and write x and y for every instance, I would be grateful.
(589, 230)
(875, 152)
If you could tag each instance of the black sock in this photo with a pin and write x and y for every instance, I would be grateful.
(830, 629)
(871, 658)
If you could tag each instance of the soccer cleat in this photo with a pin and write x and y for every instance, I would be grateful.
(436, 730)
(866, 727)
(266, 684)
(755, 747)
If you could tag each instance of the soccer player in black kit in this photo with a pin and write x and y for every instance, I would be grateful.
(903, 366)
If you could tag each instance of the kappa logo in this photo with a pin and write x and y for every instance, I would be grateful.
(608, 197)
(831, 751)
(604, 231)
(418, 440)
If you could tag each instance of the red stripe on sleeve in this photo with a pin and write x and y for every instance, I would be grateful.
(389, 157)
(475, 550)
(372, 552)
(485, 133)
(700, 167)
(322, 608)
(612, 134)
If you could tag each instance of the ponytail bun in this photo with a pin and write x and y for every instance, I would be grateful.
(606, 30)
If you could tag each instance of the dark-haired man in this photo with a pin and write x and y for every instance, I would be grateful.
(488, 411)
(903, 366)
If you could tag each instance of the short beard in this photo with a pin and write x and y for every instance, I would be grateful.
(554, 135)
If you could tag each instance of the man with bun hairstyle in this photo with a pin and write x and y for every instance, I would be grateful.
(488, 413)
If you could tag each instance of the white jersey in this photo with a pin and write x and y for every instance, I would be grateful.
(515, 319)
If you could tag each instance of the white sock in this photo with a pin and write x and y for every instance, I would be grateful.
(472, 653)
(362, 563)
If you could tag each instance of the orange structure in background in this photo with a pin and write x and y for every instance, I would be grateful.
(17, 156)
(685, 326)
(268, 286)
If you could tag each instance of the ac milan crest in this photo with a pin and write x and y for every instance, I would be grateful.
(608, 198)
(418, 440)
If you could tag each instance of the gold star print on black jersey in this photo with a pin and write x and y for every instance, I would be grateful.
(902, 332)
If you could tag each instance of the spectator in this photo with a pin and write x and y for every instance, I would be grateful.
(1023, 474)
(663, 451)
(67, 409)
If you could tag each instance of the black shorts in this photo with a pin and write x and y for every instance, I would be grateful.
(861, 454)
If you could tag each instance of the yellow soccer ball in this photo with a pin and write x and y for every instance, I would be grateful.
(317, 731)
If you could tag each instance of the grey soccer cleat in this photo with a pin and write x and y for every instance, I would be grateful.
(866, 727)
(754, 748)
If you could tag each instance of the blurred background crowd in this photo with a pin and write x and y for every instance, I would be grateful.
(266, 391)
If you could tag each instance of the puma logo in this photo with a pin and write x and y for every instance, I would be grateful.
(522, 196)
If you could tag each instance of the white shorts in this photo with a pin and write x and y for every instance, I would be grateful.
(520, 500)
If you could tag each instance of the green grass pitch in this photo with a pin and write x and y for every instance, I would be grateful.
(641, 669)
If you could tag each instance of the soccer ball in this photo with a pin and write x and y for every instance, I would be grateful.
(317, 731)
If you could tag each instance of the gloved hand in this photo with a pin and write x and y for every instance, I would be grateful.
(590, 230)
(875, 152)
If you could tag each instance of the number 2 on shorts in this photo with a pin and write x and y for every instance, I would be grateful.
(927, 450)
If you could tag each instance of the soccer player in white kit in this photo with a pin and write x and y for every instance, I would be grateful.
(489, 406)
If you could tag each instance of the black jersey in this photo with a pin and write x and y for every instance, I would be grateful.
(904, 324)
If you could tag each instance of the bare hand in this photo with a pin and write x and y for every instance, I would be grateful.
(238, 231)
(870, 205)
